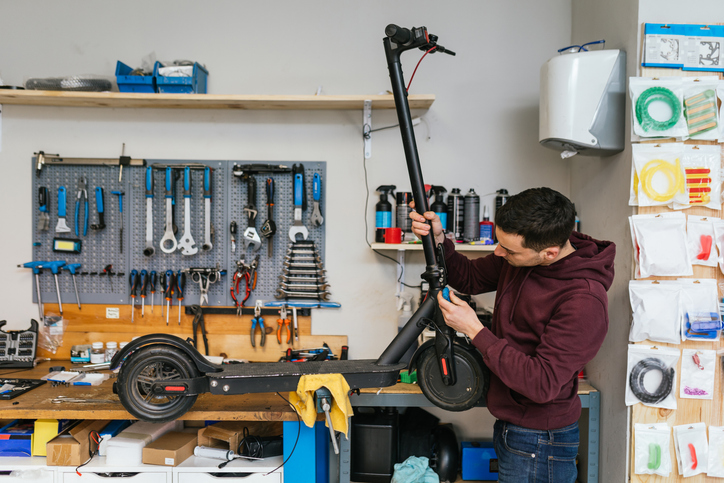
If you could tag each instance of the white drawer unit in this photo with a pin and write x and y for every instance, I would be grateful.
(26, 470)
(206, 470)
(101, 476)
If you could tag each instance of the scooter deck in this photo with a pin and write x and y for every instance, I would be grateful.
(284, 376)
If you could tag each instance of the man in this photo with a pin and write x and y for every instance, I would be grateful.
(549, 320)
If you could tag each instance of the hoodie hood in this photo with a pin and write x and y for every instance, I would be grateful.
(592, 260)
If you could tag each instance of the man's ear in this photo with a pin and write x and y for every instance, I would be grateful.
(550, 253)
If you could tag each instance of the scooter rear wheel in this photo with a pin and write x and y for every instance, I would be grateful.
(141, 370)
(461, 396)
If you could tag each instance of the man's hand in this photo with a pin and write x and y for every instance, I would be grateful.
(421, 228)
(459, 315)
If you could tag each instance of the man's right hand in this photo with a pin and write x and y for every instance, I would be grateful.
(420, 227)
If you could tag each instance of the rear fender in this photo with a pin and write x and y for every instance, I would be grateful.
(201, 363)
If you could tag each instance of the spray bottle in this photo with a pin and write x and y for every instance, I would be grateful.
(439, 206)
(383, 212)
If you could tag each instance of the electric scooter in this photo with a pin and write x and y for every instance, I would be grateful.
(161, 375)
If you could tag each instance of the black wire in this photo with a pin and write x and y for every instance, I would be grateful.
(299, 431)
(367, 201)
(639, 371)
(91, 452)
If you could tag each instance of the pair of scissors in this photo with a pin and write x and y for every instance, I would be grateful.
(68, 399)
(205, 280)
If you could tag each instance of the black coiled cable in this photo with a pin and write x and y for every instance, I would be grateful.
(639, 371)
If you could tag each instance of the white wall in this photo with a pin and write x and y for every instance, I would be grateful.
(480, 133)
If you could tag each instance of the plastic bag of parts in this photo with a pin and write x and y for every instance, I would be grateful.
(716, 447)
(700, 236)
(692, 449)
(700, 308)
(651, 373)
(76, 83)
(651, 449)
(50, 334)
(701, 165)
(657, 104)
(660, 247)
(658, 176)
(697, 374)
(656, 311)
(700, 107)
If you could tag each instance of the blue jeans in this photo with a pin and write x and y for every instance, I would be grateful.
(536, 456)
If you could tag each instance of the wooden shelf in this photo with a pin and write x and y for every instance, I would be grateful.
(460, 247)
(205, 101)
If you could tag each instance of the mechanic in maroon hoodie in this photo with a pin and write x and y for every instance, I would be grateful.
(549, 321)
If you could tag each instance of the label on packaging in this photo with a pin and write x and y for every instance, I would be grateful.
(113, 313)
(169, 461)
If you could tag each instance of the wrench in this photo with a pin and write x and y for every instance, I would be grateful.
(295, 271)
(168, 242)
(208, 230)
(304, 287)
(298, 227)
(281, 293)
(62, 226)
(316, 217)
(251, 236)
(149, 250)
(187, 243)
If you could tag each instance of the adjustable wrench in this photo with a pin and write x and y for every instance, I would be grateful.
(62, 226)
(208, 228)
(149, 250)
(298, 227)
(187, 243)
(251, 236)
(316, 218)
(168, 242)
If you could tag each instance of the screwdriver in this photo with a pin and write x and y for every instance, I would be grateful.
(133, 280)
(153, 289)
(170, 282)
(233, 229)
(164, 285)
(180, 285)
(144, 285)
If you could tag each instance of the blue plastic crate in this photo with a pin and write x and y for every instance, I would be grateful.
(479, 461)
(133, 83)
(16, 438)
(196, 84)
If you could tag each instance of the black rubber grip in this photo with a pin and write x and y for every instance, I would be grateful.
(397, 34)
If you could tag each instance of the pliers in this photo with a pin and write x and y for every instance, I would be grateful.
(248, 274)
(260, 320)
(284, 322)
(197, 323)
(82, 195)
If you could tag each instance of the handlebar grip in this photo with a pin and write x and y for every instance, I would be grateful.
(397, 34)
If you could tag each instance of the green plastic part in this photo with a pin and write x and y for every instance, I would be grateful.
(654, 456)
(657, 94)
(408, 378)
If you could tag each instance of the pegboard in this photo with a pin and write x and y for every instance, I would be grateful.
(101, 248)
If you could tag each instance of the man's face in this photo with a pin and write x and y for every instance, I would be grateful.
(510, 247)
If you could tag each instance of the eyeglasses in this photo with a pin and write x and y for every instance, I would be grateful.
(595, 45)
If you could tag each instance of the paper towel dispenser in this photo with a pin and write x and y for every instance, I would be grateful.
(583, 102)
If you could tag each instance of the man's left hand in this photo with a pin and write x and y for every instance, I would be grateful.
(459, 315)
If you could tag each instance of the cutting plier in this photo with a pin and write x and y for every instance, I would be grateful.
(258, 319)
(284, 322)
(82, 195)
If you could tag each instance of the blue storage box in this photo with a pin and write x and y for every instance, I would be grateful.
(479, 461)
(16, 439)
(196, 84)
(133, 83)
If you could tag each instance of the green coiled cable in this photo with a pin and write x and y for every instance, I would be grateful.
(654, 94)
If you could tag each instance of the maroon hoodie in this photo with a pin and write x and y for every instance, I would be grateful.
(548, 322)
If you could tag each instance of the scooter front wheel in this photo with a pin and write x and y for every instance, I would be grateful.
(467, 390)
(143, 368)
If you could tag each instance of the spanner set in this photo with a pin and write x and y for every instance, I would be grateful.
(179, 215)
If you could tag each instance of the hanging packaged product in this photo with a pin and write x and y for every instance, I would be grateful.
(698, 367)
(651, 449)
(659, 242)
(719, 240)
(700, 235)
(656, 311)
(720, 103)
(700, 107)
(702, 172)
(658, 107)
(692, 449)
(653, 391)
(700, 308)
(658, 178)
(715, 467)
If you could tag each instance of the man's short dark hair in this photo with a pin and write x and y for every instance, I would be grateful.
(542, 216)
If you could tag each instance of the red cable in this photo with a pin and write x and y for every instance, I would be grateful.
(418, 65)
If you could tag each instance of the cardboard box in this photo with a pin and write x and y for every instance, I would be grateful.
(71, 447)
(228, 434)
(16, 438)
(171, 449)
(45, 430)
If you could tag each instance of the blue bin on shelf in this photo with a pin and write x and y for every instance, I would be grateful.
(479, 461)
(133, 83)
(196, 84)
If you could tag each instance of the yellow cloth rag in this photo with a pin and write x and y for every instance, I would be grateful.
(303, 399)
